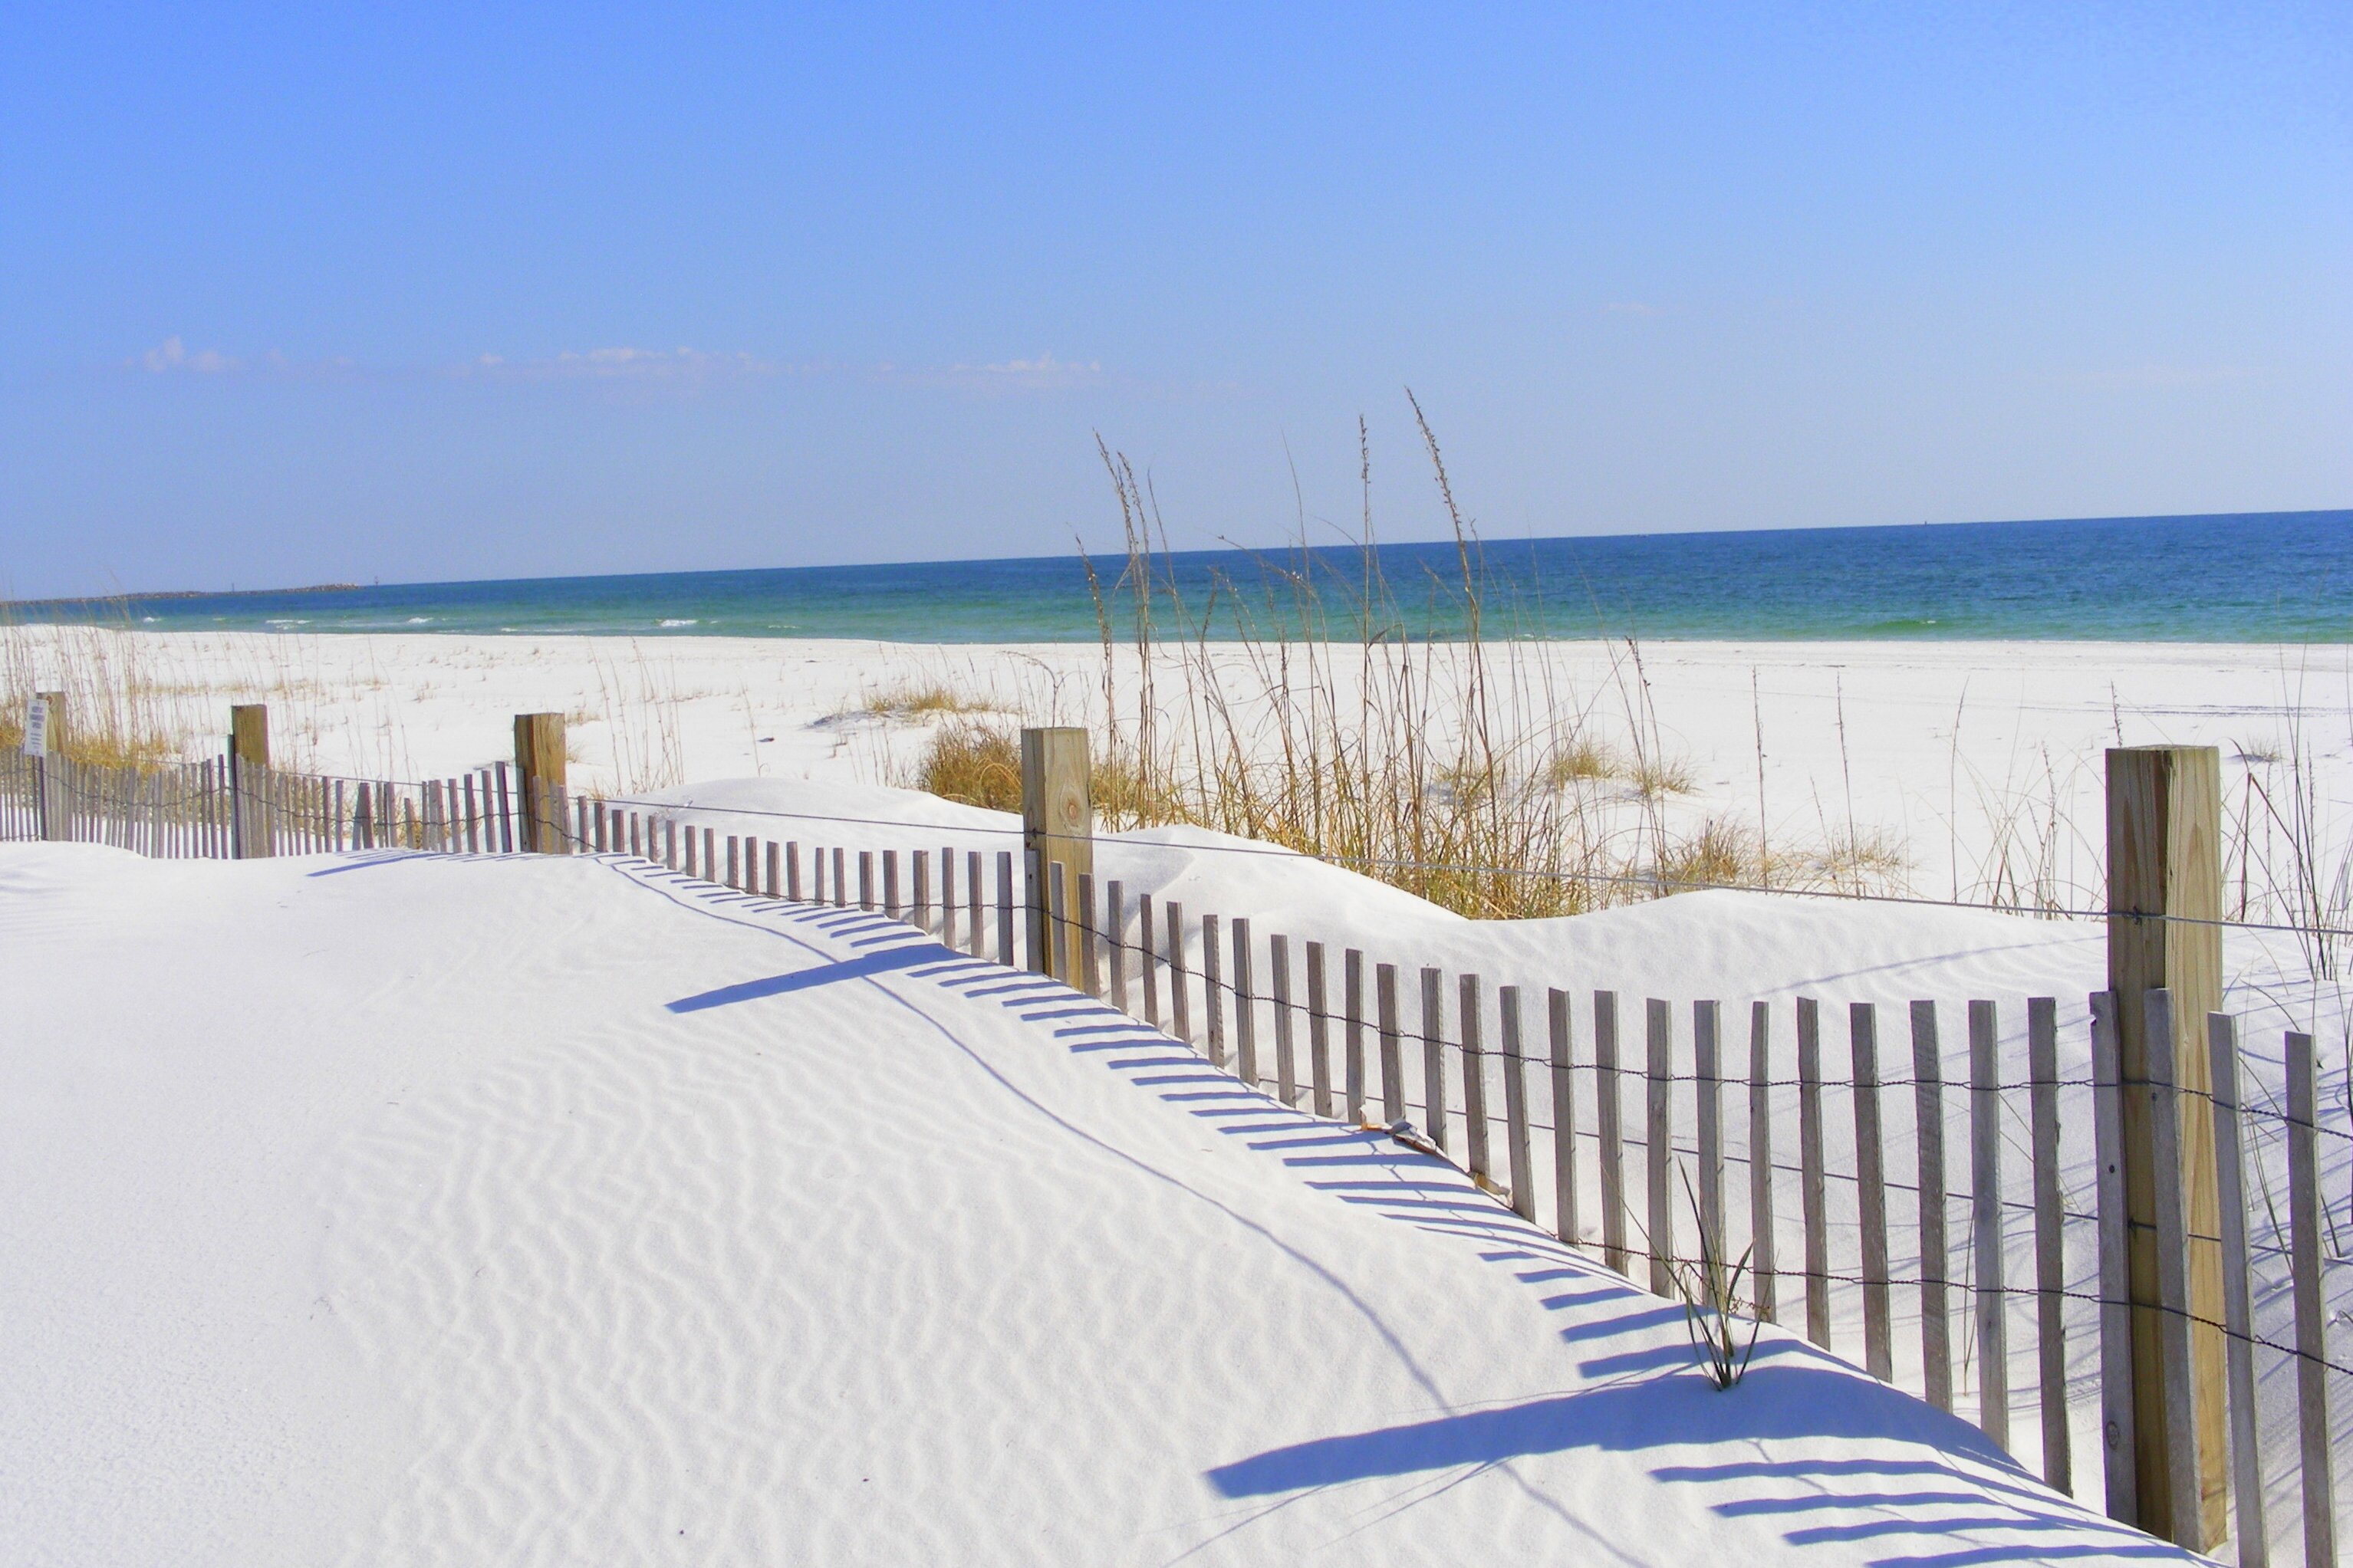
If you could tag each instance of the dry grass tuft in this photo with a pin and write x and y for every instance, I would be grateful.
(116, 713)
(1582, 760)
(1655, 776)
(1722, 854)
(909, 700)
(980, 764)
(1863, 862)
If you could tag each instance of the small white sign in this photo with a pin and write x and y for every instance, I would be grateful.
(37, 727)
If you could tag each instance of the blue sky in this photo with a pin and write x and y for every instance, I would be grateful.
(431, 292)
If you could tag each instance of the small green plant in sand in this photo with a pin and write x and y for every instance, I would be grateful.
(1710, 1289)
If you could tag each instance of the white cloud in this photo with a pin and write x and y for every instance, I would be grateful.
(1042, 372)
(172, 355)
(679, 364)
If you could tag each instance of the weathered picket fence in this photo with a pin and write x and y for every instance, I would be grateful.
(1628, 1130)
(1641, 1152)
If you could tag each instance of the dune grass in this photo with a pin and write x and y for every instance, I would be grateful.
(1326, 717)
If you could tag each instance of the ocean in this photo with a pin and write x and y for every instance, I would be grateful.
(2258, 577)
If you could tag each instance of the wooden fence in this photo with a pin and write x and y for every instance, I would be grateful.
(222, 810)
(1655, 1134)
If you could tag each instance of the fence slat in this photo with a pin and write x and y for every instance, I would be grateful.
(1087, 931)
(2119, 1478)
(976, 897)
(1147, 942)
(1352, 1003)
(1319, 1032)
(2238, 1308)
(1657, 1152)
(2318, 1480)
(1608, 1109)
(1474, 1082)
(1286, 1063)
(1985, 1209)
(1213, 1009)
(1115, 945)
(1004, 931)
(1871, 1190)
(1385, 987)
(1760, 1160)
(2176, 1381)
(1515, 1106)
(2050, 1243)
(1245, 1007)
(1936, 1260)
(1181, 990)
(1812, 1194)
(1558, 1006)
(1057, 930)
(1433, 1055)
(1707, 1068)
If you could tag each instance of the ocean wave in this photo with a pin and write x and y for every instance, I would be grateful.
(678, 623)
(419, 620)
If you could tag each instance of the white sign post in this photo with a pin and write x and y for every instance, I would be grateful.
(37, 727)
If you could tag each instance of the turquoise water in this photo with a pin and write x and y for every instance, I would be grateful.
(2265, 577)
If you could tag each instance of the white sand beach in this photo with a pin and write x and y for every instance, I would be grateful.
(1974, 765)
(466, 1230)
(413, 1209)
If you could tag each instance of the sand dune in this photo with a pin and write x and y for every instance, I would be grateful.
(412, 1210)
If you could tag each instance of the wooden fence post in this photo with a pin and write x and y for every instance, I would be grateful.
(1057, 825)
(47, 782)
(2165, 883)
(539, 765)
(248, 745)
